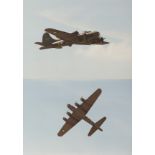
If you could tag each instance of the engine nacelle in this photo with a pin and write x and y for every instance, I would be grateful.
(69, 114)
(78, 105)
(65, 119)
(82, 99)
(72, 108)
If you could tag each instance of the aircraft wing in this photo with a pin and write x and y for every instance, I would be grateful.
(70, 122)
(57, 44)
(87, 104)
(59, 34)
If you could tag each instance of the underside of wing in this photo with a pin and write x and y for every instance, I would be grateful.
(70, 122)
(87, 104)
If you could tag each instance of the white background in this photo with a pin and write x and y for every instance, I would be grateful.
(11, 69)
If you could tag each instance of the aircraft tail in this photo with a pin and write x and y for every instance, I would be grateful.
(97, 126)
(47, 39)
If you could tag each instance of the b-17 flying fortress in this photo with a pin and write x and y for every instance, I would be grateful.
(69, 39)
(79, 113)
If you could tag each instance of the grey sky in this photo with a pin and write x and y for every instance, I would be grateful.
(112, 18)
(45, 105)
(62, 76)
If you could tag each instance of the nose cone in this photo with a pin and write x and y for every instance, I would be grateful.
(102, 41)
(105, 42)
(61, 132)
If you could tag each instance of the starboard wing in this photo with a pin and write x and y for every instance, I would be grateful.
(70, 122)
(87, 104)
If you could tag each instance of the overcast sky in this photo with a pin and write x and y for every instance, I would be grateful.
(45, 106)
(112, 18)
(71, 72)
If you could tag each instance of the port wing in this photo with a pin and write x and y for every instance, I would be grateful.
(70, 122)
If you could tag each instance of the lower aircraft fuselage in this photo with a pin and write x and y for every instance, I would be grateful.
(80, 114)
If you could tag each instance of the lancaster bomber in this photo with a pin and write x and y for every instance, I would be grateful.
(79, 113)
(68, 39)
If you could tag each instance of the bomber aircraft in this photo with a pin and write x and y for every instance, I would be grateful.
(79, 113)
(68, 39)
(85, 38)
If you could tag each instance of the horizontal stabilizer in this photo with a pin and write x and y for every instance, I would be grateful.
(39, 43)
(96, 126)
(44, 47)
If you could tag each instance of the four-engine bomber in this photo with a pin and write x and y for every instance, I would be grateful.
(79, 113)
(68, 39)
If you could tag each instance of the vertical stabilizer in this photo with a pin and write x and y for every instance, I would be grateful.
(47, 39)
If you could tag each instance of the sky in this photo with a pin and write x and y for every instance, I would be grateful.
(45, 104)
(55, 77)
(111, 18)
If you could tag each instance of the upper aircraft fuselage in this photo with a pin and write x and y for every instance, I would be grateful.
(85, 38)
(68, 39)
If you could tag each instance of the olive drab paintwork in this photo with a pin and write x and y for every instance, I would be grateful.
(69, 39)
(79, 113)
